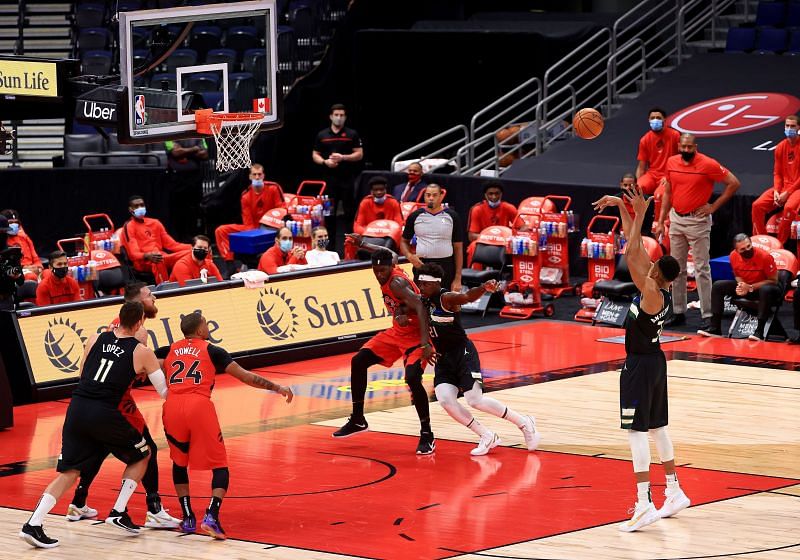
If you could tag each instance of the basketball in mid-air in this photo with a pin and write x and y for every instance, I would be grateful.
(588, 123)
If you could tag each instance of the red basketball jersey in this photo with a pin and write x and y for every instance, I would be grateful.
(189, 368)
(392, 303)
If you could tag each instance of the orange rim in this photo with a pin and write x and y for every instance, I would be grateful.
(204, 117)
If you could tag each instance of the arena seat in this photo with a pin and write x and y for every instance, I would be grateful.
(740, 39)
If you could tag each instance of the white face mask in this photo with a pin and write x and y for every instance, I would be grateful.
(338, 121)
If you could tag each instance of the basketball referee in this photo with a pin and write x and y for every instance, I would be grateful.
(643, 382)
(440, 238)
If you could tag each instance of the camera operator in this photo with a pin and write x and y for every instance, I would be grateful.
(10, 269)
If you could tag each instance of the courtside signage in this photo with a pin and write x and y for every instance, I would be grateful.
(734, 114)
(19, 77)
(282, 313)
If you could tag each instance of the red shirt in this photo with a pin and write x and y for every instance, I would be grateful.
(482, 216)
(148, 236)
(655, 148)
(52, 290)
(187, 269)
(29, 256)
(256, 205)
(274, 257)
(755, 269)
(191, 367)
(393, 304)
(693, 184)
(785, 173)
(369, 211)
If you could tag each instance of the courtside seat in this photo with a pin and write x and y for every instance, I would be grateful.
(621, 286)
(492, 257)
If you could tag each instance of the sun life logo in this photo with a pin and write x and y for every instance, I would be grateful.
(276, 315)
(63, 344)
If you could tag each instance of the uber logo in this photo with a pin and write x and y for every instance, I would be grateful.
(98, 112)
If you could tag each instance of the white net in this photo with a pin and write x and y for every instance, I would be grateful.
(233, 135)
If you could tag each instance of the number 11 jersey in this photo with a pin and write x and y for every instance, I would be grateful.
(108, 369)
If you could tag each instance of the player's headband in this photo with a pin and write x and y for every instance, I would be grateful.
(429, 278)
(383, 261)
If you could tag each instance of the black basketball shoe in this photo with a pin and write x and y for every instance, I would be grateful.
(122, 521)
(34, 536)
(427, 443)
(353, 427)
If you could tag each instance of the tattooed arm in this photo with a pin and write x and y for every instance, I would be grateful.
(255, 380)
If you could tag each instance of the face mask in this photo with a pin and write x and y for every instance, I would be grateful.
(13, 229)
(747, 254)
(790, 132)
(414, 179)
(656, 125)
(323, 243)
(257, 183)
(493, 204)
(200, 254)
(379, 199)
(286, 245)
(337, 121)
(140, 212)
(60, 272)
(687, 156)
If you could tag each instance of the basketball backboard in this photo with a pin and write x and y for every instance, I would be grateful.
(176, 60)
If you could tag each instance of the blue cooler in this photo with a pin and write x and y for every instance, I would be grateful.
(252, 241)
(721, 268)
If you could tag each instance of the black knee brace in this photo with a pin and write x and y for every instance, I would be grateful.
(180, 475)
(414, 374)
(220, 478)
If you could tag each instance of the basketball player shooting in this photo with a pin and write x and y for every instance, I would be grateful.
(643, 381)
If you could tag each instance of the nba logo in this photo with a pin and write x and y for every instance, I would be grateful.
(139, 110)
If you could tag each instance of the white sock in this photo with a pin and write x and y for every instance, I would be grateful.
(643, 492)
(46, 503)
(477, 427)
(672, 481)
(125, 493)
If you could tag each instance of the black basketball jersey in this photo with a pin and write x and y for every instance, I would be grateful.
(642, 329)
(446, 330)
(108, 370)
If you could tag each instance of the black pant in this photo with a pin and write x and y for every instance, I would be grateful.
(767, 296)
(340, 188)
(448, 264)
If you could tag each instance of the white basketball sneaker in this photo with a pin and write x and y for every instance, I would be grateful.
(643, 515)
(674, 501)
(161, 520)
(75, 513)
(529, 432)
(487, 442)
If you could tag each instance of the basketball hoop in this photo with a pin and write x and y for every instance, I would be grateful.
(233, 134)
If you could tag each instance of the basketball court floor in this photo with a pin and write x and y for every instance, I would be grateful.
(298, 493)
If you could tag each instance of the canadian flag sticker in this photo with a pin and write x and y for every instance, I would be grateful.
(261, 105)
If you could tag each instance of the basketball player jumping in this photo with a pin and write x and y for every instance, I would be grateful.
(407, 338)
(458, 367)
(190, 418)
(157, 516)
(95, 425)
(643, 381)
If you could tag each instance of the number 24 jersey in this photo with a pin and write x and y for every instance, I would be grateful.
(191, 365)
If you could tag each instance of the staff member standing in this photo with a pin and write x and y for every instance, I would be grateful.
(338, 149)
(690, 183)
(440, 238)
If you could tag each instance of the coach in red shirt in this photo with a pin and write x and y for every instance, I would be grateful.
(756, 279)
(259, 198)
(282, 253)
(687, 192)
(785, 190)
(192, 265)
(57, 286)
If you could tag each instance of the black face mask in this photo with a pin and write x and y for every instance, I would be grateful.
(200, 254)
(60, 272)
(747, 254)
(687, 156)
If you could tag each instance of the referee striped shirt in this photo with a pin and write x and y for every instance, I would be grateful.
(435, 233)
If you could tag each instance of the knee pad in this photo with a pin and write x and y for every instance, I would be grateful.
(180, 475)
(414, 374)
(640, 450)
(364, 359)
(220, 478)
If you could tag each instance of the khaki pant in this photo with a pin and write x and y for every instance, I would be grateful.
(693, 232)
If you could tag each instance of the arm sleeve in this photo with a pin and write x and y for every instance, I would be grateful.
(408, 229)
(458, 227)
(220, 357)
(162, 352)
(159, 382)
(131, 243)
